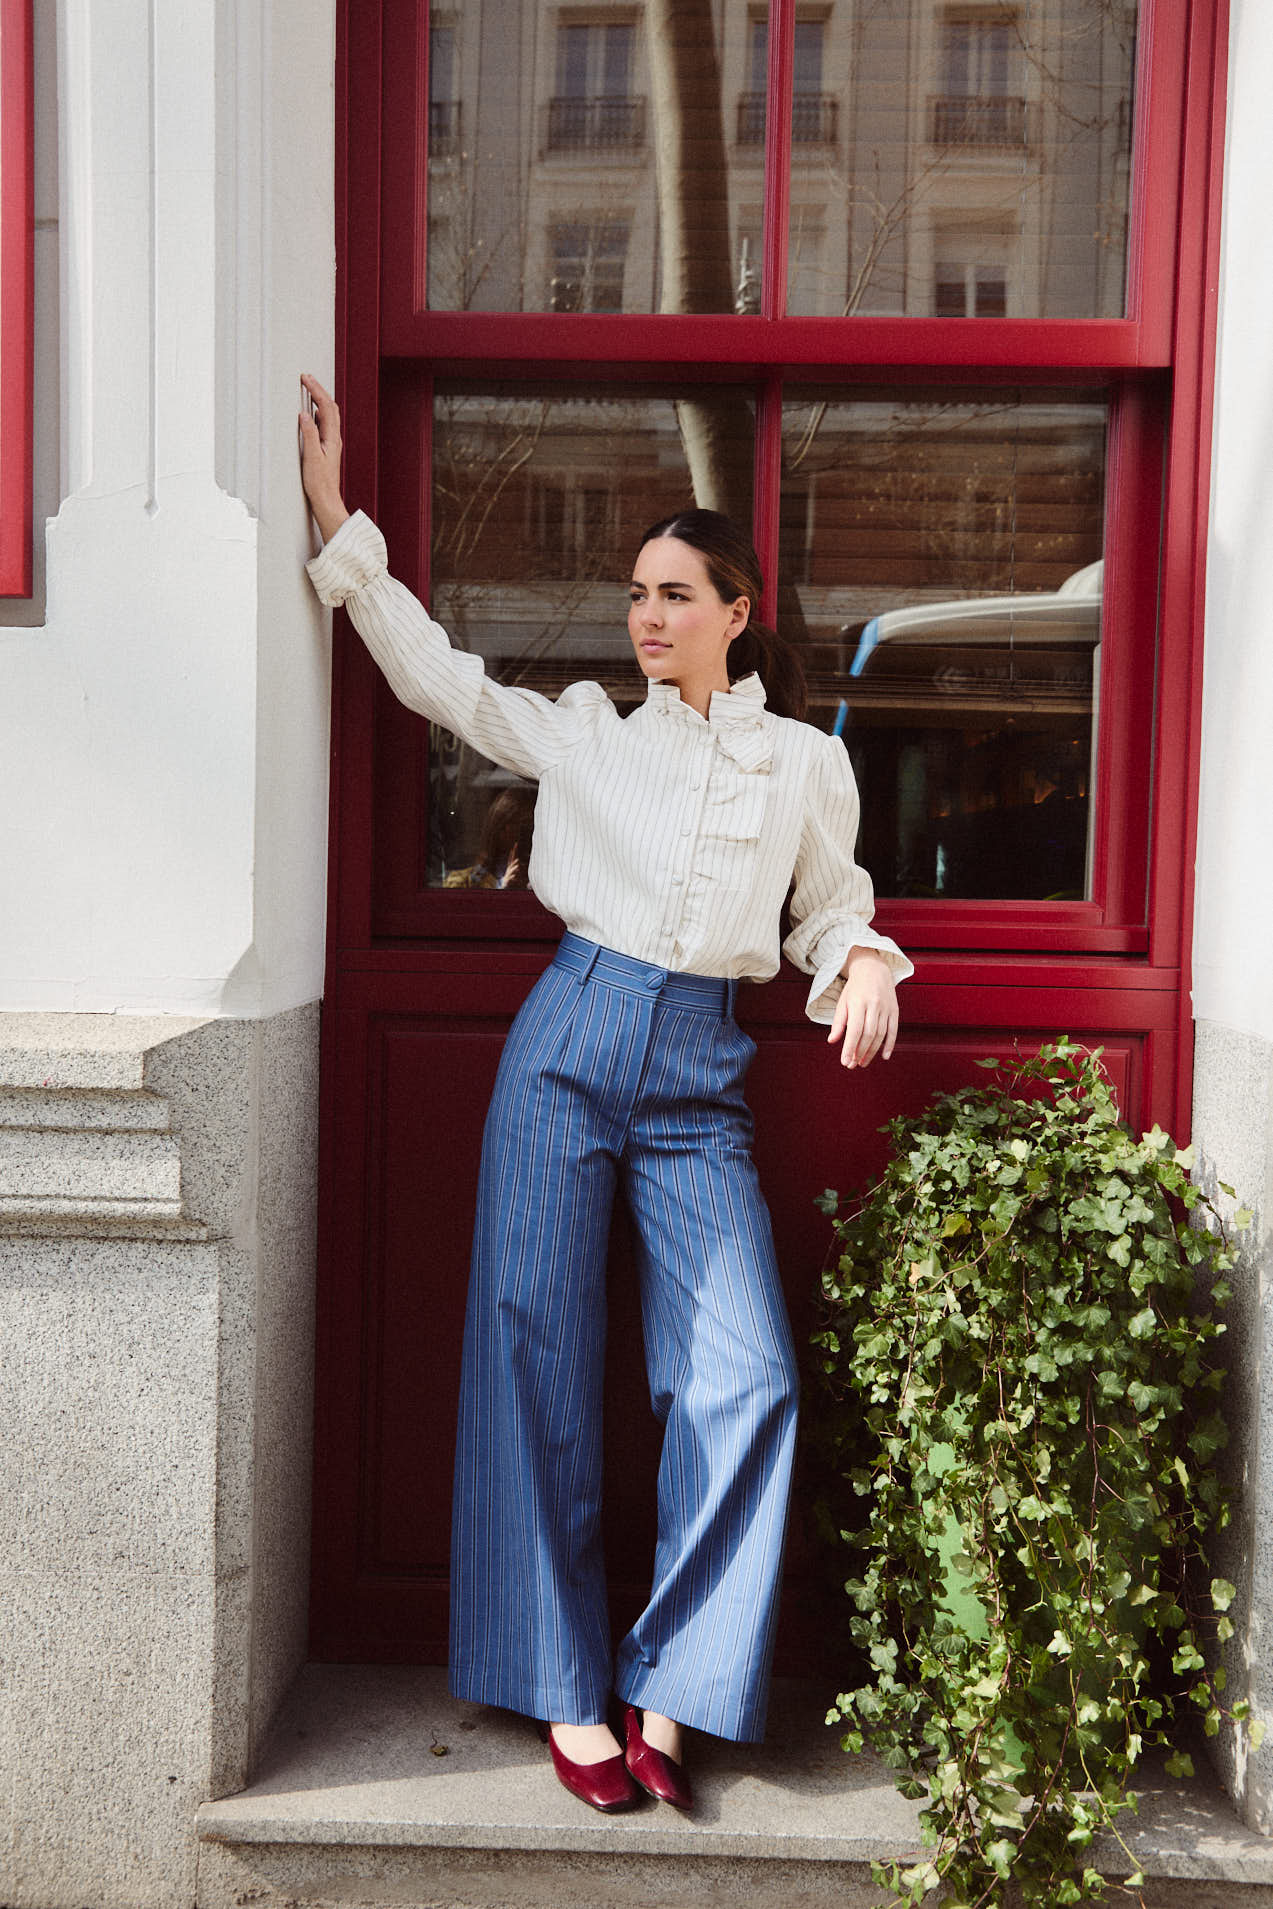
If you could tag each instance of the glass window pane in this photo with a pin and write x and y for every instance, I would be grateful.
(941, 555)
(555, 122)
(1011, 123)
(539, 496)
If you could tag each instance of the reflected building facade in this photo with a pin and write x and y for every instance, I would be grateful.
(945, 160)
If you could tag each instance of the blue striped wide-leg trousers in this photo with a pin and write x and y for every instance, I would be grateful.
(614, 1069)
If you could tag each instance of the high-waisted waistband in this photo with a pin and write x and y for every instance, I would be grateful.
(589, 959)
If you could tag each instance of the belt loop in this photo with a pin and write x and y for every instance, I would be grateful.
(731, 995)
(590, 962)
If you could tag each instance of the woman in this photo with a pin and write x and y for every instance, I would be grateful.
(667, 841)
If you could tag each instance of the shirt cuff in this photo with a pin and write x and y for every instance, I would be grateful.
(350, 560)
(828, 976)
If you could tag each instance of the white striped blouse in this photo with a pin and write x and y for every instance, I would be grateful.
(668, 837)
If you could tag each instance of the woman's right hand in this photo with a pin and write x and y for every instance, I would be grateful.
(320, 457)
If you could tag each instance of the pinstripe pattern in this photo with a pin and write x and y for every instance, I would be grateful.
(670, 838)
(625, 1071)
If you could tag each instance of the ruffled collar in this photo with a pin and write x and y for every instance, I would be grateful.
(741, 724)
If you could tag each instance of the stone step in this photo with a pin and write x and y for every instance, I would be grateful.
(85, 1149)
(84, 1050)
(378, 1788)
(43, 1108)
(57, 1165)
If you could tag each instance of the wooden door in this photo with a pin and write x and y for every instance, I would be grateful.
(929, 496)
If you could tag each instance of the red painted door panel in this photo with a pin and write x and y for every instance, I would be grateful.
(404, 1184)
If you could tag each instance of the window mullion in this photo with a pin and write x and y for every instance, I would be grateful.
(779, 85)
(768, 482)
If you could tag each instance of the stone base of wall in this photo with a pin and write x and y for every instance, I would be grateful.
(1233, 1133)
(157, 1192)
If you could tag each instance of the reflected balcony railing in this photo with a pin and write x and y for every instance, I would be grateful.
(444, 126)
(814, 118)
(595, 125)
(998, 119)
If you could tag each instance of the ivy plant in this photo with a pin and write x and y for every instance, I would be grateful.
(1018, 1340)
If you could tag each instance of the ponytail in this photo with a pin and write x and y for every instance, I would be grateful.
(777, 662)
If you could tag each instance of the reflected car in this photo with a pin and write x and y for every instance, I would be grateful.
(1068, 615)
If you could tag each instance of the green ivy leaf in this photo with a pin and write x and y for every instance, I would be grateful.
(1022, 1397)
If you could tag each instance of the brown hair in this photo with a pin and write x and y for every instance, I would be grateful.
(733, 569)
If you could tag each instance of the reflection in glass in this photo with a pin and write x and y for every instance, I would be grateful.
(538, 499)
(981, 166)
(944, 554)
(594, 170)
(947, 160)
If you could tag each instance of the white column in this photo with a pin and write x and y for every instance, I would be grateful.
(166, 731)
(1233, 932)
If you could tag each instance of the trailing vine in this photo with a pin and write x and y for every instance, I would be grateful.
(1018, 1341)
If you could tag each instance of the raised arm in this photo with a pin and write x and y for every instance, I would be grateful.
(520, 729)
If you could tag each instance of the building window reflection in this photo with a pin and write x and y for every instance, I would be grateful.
(594, 108)
(444, 105)
(980, 101)
(1015, 115)
(588, 259)
(814, 114)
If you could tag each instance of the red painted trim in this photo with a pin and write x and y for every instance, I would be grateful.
(778, 108)
(420, 97)
(401, 267)
(1156, 180)
(1129, 626)
(1188, 510)
(356, 377)
(672, 338)
(17, 283)
(338, 1373)
(391, 978)
(359, 127)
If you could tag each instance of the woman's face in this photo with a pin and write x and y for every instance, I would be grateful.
(681, 628)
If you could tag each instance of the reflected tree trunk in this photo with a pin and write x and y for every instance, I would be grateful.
(689, 145)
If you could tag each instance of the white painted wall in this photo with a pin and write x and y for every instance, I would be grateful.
(164, 735)
(1233, 941)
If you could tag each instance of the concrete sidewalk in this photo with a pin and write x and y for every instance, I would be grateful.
(380, 1788)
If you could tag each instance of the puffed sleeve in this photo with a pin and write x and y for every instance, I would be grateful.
(833, 901)
(517, 728)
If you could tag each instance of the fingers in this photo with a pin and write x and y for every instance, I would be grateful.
(890, 1032)
(863, 1035)
(317, 393)
(323, 408)
(865, 1019)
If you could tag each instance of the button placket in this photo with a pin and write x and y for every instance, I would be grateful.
(691, 823)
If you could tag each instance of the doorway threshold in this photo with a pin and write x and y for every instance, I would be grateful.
(378, 1787)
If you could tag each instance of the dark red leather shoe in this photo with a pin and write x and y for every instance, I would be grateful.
(604, 1786)
(658, 1775)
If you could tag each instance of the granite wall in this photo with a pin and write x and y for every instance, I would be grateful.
(1233, 1133)
(155, 1424)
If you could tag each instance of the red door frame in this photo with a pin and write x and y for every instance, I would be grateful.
(991, 966)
